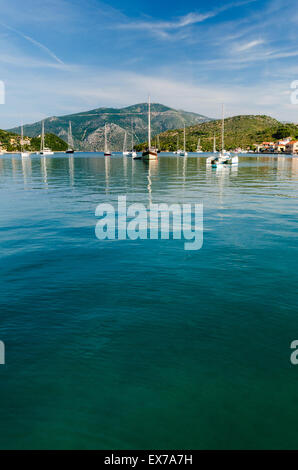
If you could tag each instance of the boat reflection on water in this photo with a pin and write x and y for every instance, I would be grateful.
(27, 169)
(71, 170)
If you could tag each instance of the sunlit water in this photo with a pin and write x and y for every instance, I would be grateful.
(141, 344)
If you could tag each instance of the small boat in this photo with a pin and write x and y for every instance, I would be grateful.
(223, 157)
(24, 153)
(107, 152)
(151, 152)
(183, 153)
(70, 140)
(44, 150)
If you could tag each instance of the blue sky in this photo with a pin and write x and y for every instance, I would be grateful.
(64, 56)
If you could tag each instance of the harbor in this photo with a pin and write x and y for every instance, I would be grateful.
(128, 329)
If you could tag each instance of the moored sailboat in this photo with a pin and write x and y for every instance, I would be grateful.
(224, 157)
(23, 153)
(150, 153)
(70, 140)
(44, 150)
(183, 153)
(124, 151)
(107, 152)
(199, 148)
(133, 153)
(178, 151)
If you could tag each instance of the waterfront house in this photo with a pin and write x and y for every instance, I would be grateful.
(292, 146)
(265, 147)
(25, 141)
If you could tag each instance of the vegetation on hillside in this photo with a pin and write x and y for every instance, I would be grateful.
(240, 131)
(11, 142)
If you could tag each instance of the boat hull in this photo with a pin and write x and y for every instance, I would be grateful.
(149, 155)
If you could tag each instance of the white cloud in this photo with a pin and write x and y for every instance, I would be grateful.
(249, 45)
(33, 41)
(162, 27)
(89, 89)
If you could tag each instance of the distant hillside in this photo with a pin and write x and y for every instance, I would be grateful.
(240, 131)
(11, 142)
(88, 127)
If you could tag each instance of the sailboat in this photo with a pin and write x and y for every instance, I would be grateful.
(44, 150)
(158, 144)
(70, 140)
(23, 153)
(184, 152)
(133, 153)
(224, 157)
(125, 152)
(178, 151)
(199, 148)
(107, 153)
(214, 144)
(150, 153)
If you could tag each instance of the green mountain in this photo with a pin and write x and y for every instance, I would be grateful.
(88, 127)
(11, 142)
(240, 131)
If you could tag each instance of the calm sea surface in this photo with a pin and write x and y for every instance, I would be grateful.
(141, 344)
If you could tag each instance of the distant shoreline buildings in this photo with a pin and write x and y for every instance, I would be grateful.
(287, 145)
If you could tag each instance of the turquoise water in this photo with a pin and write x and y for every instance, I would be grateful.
(141, 344)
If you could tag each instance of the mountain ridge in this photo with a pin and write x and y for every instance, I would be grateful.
(240, 131)
(91, 123)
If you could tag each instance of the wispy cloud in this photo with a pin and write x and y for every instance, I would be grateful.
(192, 18)
(33, 41)
(249, 45)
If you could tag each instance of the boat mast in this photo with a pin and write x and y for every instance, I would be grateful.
(223, 130)
(22, 137)
(106, 140)
(70, 138)
(132, 142)
(149, 124)
(214, 144)
(184, 140)
(124, 142)
(42, 137)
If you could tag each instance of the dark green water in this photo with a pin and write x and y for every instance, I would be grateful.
(141, 344)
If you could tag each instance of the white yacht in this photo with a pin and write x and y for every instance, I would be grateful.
(150, 153)
(125, 152)
(183, 153)
(133, 153)
(223, 157)
(199, 148)
(70, 140)
(24, 153)
(44, 150)
(107, 152)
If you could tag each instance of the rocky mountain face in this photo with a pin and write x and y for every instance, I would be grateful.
(88, 127)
